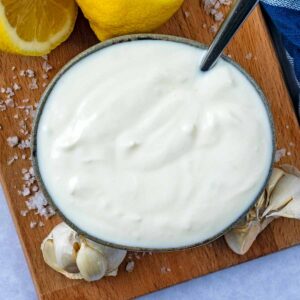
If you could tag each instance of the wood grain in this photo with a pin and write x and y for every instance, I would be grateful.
(147, 276)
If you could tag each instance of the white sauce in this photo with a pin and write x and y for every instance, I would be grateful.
(138, 147)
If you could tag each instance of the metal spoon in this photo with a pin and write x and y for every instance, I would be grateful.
(236, 17)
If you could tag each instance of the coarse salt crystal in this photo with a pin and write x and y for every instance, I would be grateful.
(165, 270)
(35, 188)
(279, 154)
(187, 14)
(41, 224)
(24, 144)
(33, 224)
(12, 141)
(46, 66)
(13, 68)
(30, 73)
(22, 73)
(25, 192)
(2, 107)
(219, 16)
(130, 266)
(24, 212)
(10, 102)
(249, 56)
(11, 160)
(33, 84)
(9, 91)
(213, 28)
(39, 203)
(23, 156)
(16, 87)
(31, 171)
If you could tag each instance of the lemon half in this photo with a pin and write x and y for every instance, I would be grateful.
(35, 27)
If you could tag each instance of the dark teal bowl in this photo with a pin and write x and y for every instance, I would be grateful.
(110, 43)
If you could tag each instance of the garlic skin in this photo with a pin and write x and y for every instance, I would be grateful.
(281, 198)
(76, 257)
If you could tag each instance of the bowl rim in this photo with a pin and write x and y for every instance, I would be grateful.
(99, 47)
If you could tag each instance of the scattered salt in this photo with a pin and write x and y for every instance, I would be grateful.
(12, 141)
(289, 153)
(219, 16)
(24, 144)
(39, 203)
(9, 92)
(213, 28)
(130, 266)
(165, 270)
(187, 14)
(33, 84)
(46, 66)
(16, 87)
(13, 68)
(35, 188)
(11, 160)
(41, 224)
(25, 192)
(2, 106)
(30, 73)
(9, 102)
(279, 154)
(249, 56)
(24, 212)
(33, 224)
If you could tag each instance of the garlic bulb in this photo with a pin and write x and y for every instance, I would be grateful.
(77, 257)
(281, 198)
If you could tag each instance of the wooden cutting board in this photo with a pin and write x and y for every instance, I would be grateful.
(252, 48)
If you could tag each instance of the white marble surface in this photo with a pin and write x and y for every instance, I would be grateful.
(273, 277)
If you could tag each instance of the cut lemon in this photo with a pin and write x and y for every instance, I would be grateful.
(110, 18)
(35, 27)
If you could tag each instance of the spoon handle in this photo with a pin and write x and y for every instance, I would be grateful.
(238, 14)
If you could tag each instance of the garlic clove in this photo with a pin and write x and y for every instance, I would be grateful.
(66, 244)
(114, 256)
(240, 240)
(285, 199)
(91, 263)
(50, 259)
(281, 198)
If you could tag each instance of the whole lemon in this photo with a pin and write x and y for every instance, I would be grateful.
(110, 18)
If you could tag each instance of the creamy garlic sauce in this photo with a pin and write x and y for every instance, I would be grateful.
(137, 147)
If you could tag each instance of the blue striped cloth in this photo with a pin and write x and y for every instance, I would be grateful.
(284, 16)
